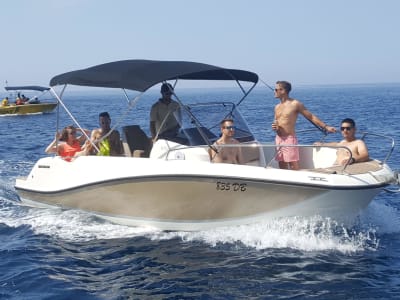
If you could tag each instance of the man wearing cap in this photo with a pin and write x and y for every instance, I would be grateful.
(165, 115)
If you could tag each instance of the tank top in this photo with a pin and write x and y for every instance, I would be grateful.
(104, 148)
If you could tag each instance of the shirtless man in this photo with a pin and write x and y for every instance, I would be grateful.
(357, 147)
(111, 145)
(286, 113)
(230, 155)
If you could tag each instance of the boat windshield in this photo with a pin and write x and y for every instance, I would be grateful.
(201, 123)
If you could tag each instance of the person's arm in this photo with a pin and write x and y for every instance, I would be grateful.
(211, 153)
(83, 138)
(362, 154)
(239, 156)
(52, 147)
(178, 115)
(275, 125)
(313, 118)
(153, 118)
(83, 152)
(153, 129)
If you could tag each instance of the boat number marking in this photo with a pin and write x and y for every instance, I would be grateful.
(315, 178)
(231, 186)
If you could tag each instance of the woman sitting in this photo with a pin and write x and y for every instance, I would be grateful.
(68, 146)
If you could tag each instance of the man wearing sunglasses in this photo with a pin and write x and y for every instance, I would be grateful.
(225, 153)
(286, 113)
(359, 151)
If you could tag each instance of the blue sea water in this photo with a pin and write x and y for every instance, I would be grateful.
(67, 254)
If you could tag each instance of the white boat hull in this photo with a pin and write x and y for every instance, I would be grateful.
(172, 196)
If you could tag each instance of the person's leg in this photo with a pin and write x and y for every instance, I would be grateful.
(292, 154)
(283, 165)
(294, 165)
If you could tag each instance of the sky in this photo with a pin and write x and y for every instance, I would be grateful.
(305, 42)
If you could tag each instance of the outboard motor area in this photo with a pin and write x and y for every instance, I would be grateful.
(396, 181)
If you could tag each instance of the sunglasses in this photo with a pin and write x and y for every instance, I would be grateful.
(72, 133)
(229, 127)
(278, 89)
(346, 128)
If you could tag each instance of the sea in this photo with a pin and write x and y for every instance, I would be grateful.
(69, 254)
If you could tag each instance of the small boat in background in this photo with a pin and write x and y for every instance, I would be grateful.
(23, 105)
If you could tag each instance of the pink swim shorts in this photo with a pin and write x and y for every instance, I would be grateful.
(287, 154)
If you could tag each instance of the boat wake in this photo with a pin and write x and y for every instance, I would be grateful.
(305, 234)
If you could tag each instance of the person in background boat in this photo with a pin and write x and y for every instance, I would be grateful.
(165, 115)
(110, 145)
(19, 101)
(5, 102)
(359, 151)
(286, 113)
(230, 155)
(67, 144)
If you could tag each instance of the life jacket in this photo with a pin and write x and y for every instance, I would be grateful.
(68, 151)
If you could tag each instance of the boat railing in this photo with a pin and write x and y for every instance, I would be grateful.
(311, 156)
(256, 154)
(378, 135)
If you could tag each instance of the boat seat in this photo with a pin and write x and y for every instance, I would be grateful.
(251, 155)
(139, 143)
(353, 169)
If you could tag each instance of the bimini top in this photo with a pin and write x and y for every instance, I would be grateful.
(27, 87)
(140, 75)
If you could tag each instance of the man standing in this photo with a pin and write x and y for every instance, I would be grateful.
(165, 115)
(110, 145)
(286, 113)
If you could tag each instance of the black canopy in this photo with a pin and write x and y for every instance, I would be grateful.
(27, 87)
(139, 75)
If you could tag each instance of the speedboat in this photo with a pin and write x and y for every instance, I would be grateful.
(171, 184)
(34, 105)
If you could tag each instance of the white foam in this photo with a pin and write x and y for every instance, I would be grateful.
(306, 234)
(70, 225)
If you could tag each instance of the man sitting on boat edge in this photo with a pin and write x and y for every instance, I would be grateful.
(359, 151)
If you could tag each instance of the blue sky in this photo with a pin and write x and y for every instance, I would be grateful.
(305, 42)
